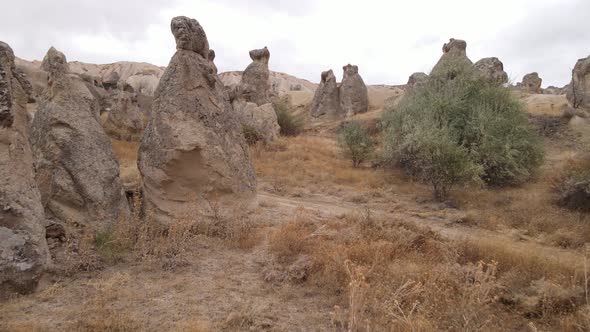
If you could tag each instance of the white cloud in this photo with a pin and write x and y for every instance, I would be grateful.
(388, 40)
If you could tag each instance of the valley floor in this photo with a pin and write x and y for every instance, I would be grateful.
(334, 248)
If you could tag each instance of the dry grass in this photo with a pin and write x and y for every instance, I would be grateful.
(399, 276)
(126, 153)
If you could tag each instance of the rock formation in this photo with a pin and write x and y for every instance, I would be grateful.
(192, 151)
(124, 121)
(531, 83)
(256, 78)
(354, 97)
(23, 250)
(76, 170)
(578, 92)
(492, 69)
(262, 118)
(454, 52)
(326, 101)
(415, 80)
(111, 81)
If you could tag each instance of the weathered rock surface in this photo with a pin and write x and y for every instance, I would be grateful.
(76, 170)
(578, 92)
(354, 97)
(193, 151)
(23, 249)
(531, 83)
(111, 81)
(454, 52)
(492, 69)
(326, 101)
(125, 121)
(256, 78)
(262, 118)
(415, 80)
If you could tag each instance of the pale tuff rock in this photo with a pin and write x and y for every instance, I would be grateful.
(76, 169)
(256, 78)
(578, 92)
(262, 118)
(124, 121)
(354, 97)
(454, 52)
(416, 80)
(193, 151)
(492, 69)
(23, 250)
(531, 83)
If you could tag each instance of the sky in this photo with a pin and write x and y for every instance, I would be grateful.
(387, 39)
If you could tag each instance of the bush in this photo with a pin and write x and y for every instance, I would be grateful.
(251, 134)
(573, 185)
(459, 127)
(355, 142)
(290, 124)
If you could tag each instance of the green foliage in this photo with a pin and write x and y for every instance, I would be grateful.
(355, 142)
(290, 124)
(251, 134)
(573, 185)
(109, 249)
(458, 128)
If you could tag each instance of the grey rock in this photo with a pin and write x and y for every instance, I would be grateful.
(492, 69)
(193, 152)
(124, 121)
(531, 83)
(23, 250)
(326, 101)
(256, 78)
(416, 80)
(578, 92)
(454, 52)
(354, 96)
(262, 118)
(76, 169)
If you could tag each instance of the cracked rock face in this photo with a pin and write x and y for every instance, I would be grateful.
(76, 169)
(193, 151)
(23, 250)
(578, 92)
(354, 96)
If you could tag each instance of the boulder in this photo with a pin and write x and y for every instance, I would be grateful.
(531, 83)
(354, 96)
(125, 121)
(578, 92)
(76, 169)
(111, 81)
(326, 101)
(492, 69)
(193, 155)
(256, 78)
(262, 118)
(415, 80)
(23, 249)
(454, 53)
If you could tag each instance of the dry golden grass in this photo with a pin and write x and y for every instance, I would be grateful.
(126, 153)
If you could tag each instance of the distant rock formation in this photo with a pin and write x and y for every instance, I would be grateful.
(455, 51)
(111, 81)
(76, 169)
(578, 92)
(193, 151)
(492, 69)
(326, 101)
(531, 83)
(416, 80)
(262, 118)
(23, 249)
(354, 97)
(125, 121)
(256, 78)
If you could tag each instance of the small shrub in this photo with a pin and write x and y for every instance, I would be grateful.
(289, 123)
(251, 134)
(355, 143)
(459, 128)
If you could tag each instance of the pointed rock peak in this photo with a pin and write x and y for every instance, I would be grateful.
(55, 62)
(350, 70)
(328, 75)
(189, 35)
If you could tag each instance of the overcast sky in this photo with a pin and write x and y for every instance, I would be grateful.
(387, 39)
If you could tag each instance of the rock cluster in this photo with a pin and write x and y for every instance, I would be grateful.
(192, 152)
(333, 101)
(578, 92)
(23, 250)
(531, 83)
(76, 169)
